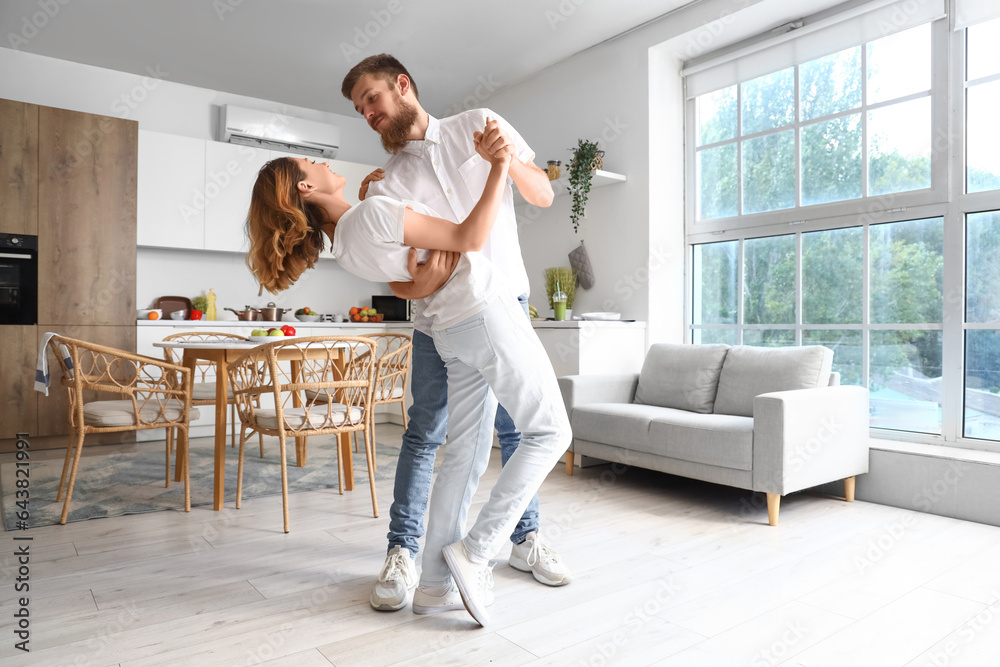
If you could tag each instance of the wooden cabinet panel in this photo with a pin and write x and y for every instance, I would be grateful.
(171, 191)
(230, 172)
(18, 168)
(53, 410)
(86, 218)
(18, 409)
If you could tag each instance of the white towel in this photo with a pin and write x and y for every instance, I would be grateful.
(42, 366)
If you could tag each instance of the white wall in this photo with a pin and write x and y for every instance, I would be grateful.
(164, 106)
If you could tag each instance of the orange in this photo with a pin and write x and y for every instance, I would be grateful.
(154, 315)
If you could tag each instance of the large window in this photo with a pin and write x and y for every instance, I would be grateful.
(829, 202)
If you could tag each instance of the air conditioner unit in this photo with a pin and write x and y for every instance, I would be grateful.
(263, 129)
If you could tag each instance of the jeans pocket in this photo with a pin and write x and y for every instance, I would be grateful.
(471, 343)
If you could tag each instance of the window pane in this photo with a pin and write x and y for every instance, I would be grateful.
(830, 84)
(712, 336)
(717, 116)
(769, 337)
(831, 160)
(982, 278)
(983, 137)
(832, 276)
(899, 147)
(907, 259)
(899, 64)
(717, 186)
(905, 380)
(982, 384)
(983, 54)
(769, 172)
(769, 101)
(769, 280)
(847, 351)
(715, 283)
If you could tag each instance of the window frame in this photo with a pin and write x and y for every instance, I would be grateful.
(946, 198)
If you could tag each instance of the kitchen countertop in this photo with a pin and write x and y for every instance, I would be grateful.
(538, 324)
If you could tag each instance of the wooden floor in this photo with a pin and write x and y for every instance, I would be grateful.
(668, 571)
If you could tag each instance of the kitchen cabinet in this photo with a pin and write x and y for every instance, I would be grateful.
(86, 218)
(18, 168)
(18, 409)
(230, 172)
(171, 191)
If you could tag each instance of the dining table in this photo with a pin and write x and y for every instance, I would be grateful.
(222, 353)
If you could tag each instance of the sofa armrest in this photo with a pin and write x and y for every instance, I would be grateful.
(807, 437)
(583, 389)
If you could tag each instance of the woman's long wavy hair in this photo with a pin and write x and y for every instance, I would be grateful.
(284, 229)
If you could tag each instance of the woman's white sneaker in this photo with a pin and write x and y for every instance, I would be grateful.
(396, 581)
(536, 557)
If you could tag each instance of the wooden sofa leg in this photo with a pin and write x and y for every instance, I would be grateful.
(773, 501)
(569, 463)
(849, 489)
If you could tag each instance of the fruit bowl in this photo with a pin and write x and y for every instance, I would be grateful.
(307, 318)
(269, 339)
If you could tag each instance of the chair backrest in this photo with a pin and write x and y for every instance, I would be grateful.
(392, 366)
(203, 368)
(330, 376)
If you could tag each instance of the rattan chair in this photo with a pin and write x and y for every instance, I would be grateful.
(203, 388)
(392, 370)
(336, 370)
(148, 396)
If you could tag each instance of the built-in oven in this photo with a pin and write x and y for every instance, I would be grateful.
(18, 279)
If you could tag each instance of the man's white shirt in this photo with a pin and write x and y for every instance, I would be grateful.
(444, 173)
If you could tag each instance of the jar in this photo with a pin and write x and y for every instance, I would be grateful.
(553, 169)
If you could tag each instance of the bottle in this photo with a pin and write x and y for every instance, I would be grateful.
(553, 169)
(210, 311)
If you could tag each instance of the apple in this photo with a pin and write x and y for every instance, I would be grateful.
(258, 332)
(288, 330)
(372, 311)
(275, 332)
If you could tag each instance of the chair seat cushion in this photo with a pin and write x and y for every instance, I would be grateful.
(316, 417)
(380, 394)
(202, 391)
(120, 413)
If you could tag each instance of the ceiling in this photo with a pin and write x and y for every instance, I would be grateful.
(298, 51)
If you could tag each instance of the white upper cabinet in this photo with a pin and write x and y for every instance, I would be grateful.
(354, 172)
(230, 172)
(171, 191)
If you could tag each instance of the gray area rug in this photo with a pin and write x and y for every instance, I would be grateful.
(133, 482)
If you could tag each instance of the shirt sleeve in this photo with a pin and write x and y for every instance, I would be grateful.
(383, 216)
(524, 152)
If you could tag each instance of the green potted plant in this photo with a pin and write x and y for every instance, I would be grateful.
(586, 158)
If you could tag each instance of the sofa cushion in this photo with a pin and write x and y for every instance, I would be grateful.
(750, 371)
(619, 424)
(715, 440)
(684, 377)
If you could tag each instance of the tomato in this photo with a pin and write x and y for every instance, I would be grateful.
(196, 314)
(288, 330)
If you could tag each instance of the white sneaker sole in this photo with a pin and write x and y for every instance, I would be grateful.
(518, 564)
(479, 614)
(436, 609)
(383, 605)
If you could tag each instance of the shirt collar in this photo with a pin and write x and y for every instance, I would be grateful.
(433, 134)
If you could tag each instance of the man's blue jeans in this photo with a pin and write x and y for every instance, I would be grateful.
(426, 431)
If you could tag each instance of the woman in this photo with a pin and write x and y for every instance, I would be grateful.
(478, 329)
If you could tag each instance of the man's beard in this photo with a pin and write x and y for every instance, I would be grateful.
(396, 133)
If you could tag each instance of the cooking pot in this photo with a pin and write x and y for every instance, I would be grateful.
(248, 315)
(270, 312)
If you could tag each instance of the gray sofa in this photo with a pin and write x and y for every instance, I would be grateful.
(774, 420)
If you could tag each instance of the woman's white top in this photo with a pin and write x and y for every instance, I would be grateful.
(368, 242)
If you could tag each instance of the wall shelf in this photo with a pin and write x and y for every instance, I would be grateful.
(560, 186)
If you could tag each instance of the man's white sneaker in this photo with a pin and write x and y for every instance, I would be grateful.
(395, 582)
(425, 603)
(474, 580)
(536, 557)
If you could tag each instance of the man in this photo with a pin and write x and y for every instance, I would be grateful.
(434, 162)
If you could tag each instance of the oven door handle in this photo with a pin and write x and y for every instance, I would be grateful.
(11, 255)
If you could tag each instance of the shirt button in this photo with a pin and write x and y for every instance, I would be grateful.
(475, 160)
(449, 190)
(435, 163)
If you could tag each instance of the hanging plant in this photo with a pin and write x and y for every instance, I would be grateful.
(586, 158)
